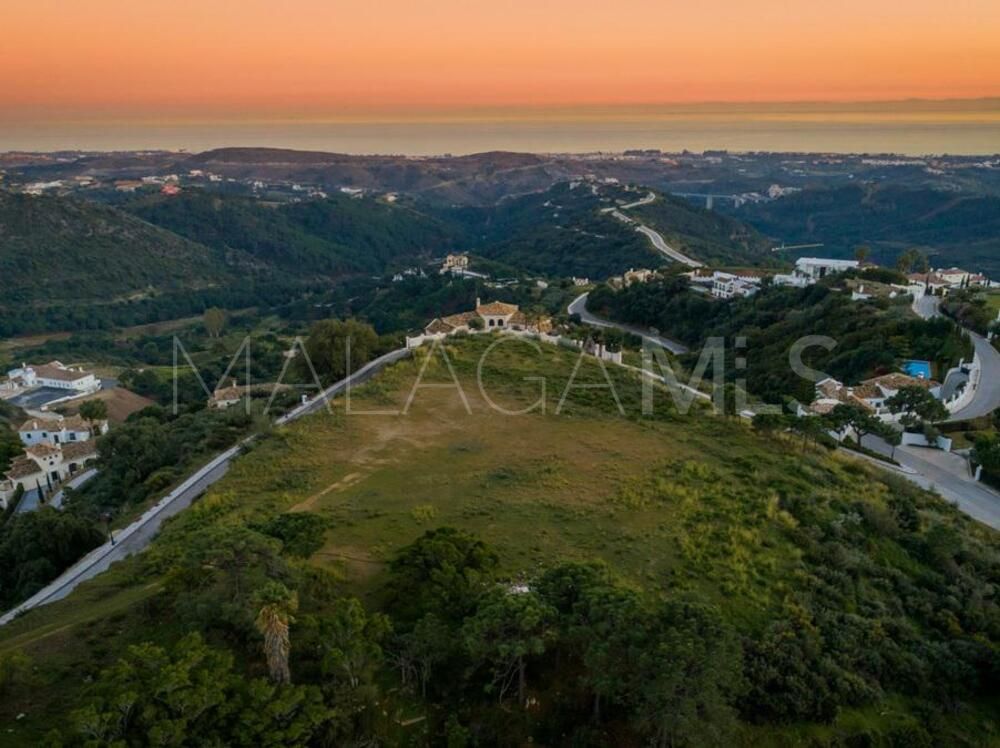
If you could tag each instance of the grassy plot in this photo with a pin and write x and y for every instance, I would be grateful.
(674, 503)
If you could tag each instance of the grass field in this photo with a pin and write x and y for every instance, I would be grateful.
(672, 503)
(993, 300)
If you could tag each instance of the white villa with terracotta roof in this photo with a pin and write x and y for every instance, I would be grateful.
(871, 394)
(60, 430)
(43, 466)
(56, 375)
(54, 450)
(496, 315)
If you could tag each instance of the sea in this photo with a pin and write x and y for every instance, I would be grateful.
(906, 128)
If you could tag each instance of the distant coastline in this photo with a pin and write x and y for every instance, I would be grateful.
(911, 127)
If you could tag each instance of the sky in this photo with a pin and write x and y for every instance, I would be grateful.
(385, 59)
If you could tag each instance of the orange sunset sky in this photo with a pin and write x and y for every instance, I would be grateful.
(209, 57)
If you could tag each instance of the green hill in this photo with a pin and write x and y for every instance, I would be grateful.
(706, 235)
(54, 249)
(333, 236)
(954, 228)
(659, 577)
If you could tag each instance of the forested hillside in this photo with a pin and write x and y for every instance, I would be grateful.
(332, 236)
(55, 249)
(706, 235)
(955, 228)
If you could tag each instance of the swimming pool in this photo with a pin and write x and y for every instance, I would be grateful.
(919, 369)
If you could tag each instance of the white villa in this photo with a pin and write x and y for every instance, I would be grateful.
(816, 268)
(729, 285)
(871, 394)
(43, 466)
(56, 375)
(455, 262)
(60, 430)
(493, 316)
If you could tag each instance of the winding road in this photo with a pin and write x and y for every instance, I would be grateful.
(986, 398)
(655, 238)
(579, 306)
(137, 536)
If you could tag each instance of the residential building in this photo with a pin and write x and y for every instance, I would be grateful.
(43, 466)
(455, 262)
(871, 394)
(56, 375)
(60, 430)
(816, 268)
(730, 285)
(495, 315)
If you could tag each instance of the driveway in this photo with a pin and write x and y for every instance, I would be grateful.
(942, 472)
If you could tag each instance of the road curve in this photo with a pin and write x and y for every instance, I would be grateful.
(986, 398)
(579, 306)
(137, 536)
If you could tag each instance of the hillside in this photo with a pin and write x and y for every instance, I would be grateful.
(54, 249)
(333, 236)
(871, 337)
(749, 590)
(954, 228)
(707, 235)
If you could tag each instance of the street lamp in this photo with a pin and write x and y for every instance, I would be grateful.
(106, 518)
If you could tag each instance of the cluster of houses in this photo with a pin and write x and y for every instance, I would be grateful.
(55, 449)
(943, 280)
(871, 394)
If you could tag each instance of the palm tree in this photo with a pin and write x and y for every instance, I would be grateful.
(277, 604)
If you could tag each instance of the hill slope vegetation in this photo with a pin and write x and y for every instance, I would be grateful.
(569, 577)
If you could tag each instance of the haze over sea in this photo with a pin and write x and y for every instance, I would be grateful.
(909, 127)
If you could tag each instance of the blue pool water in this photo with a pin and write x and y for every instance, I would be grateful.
(918, 368)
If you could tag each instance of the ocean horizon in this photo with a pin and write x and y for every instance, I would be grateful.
(905, 128)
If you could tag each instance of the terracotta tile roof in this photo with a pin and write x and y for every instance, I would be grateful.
(459, 320)
(42, 450)
(866, 391)
(53, 370)
(50, 425)
(897, 380)
(437, 326)
(79, 450)
(496, 309)
(22, 467)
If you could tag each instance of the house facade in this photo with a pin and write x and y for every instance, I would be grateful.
(495, 315)
(43, 466)
(816, 268)
(59, 430)
(871, 394)
(56, 375)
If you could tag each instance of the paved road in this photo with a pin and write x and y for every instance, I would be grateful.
(137, 536)
(649, 198)
(655, 238)
(987, 396)
(579, 306)
(927, 306)
(934, 471)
